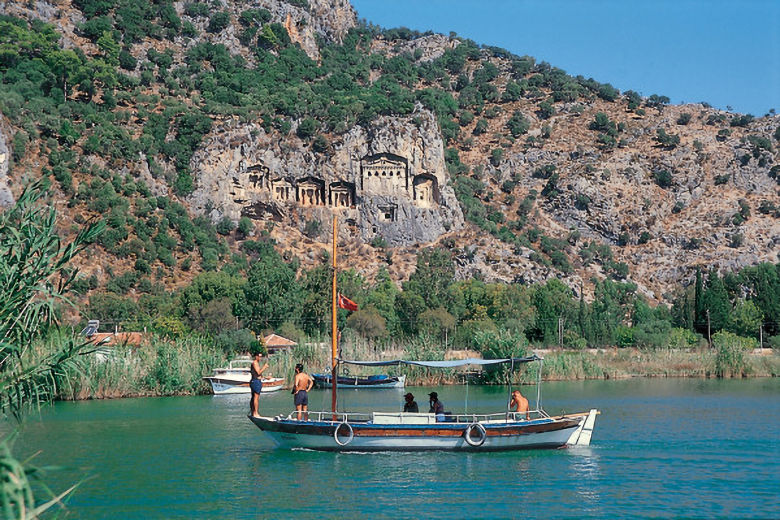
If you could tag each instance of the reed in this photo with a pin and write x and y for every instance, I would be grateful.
(158, 367)
(162, 367)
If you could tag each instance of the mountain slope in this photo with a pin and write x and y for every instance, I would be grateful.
(179, 122)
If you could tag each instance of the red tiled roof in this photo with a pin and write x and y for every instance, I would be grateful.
(120, 338)
(276, 341)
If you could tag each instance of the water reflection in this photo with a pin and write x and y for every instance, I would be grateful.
(585, 473)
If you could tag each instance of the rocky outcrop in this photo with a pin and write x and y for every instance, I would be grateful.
(326, 19)
(424, 49)
(387, 180)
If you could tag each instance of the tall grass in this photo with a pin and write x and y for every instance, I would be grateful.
(162, 367)
(156, 368)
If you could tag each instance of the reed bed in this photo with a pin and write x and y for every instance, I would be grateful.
(163, 367)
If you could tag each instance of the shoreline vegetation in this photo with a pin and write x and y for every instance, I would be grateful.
(162, 367)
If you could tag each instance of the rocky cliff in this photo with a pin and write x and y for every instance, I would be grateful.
(385, 180)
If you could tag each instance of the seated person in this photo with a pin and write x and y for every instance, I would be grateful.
(437, 407)
(410, 405)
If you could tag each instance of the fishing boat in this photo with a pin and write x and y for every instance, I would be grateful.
(336, 430)
(235, 379)
(374, 382)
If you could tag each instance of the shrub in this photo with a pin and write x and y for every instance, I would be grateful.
(235, 341)
(197, 9)
(481, 127)
(546, 110)
(683, 339)
(663, 178)
(721, 179)
(668, 141)
(607, 92)
(245, 226)
(496, 156)
(684, 118)
(225, 226)
(307, 128)
(741, 120)
(312, 228)
(518, 124)
(218, 22)
(730, 351)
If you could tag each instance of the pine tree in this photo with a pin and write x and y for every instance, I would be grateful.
(716, 300)
(699, 313)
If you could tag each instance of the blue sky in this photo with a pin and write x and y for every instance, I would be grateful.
(726, 53)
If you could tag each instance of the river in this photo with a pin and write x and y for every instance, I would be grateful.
(661, 448)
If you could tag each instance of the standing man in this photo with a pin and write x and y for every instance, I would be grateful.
(301, 386)
(520, 404)
(256, 382)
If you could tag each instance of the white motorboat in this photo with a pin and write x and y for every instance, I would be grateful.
(235, 379)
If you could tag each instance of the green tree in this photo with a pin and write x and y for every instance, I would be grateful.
(437, 323)
(368, 323)
(433, 276)
(552, 301)
(610, 309)
(745, 319)
(715, 299)
(518, 124)
(271, 294)
(382, 297)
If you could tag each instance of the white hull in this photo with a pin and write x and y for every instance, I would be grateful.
(235, 379)
(221, 387)
(373, 436)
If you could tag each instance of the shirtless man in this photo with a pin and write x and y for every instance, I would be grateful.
(520, 403)
(301, 387)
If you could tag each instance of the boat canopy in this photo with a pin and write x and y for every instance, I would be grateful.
(443, 364)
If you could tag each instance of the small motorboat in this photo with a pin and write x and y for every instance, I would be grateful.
(235, 379)
(376, 381)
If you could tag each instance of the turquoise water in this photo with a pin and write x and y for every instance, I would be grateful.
(661, 448)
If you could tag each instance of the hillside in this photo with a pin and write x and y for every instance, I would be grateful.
(197, 128)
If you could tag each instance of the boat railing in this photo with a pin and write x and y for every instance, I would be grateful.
(416, 418)
(329, 416)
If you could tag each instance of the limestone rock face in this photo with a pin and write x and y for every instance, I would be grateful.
(330, 19)
(425, 49)
(386, 180)
(6, 197)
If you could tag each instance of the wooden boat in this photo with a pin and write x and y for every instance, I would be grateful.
(235, 379)
(374, 382)
(398, 431)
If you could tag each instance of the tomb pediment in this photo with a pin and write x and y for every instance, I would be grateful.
(310, 191)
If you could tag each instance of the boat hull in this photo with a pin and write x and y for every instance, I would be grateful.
(324, 381)
(368, 437)
(226, 385)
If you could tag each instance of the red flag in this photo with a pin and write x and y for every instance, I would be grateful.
(346, 303)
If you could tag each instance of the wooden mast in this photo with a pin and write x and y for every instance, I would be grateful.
(334, 328)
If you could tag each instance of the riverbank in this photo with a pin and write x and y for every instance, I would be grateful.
(163, 368)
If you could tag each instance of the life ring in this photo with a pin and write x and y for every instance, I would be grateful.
(482, 434)
(350, 435)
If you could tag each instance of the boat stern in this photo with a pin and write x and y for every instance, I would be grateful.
(581, 436)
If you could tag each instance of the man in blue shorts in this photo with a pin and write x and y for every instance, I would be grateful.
(256, 381)
(301, 386)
